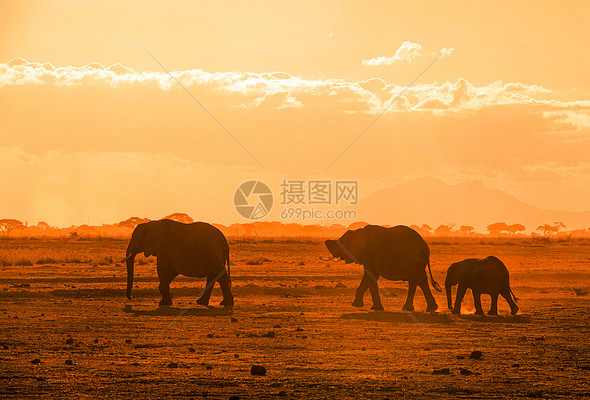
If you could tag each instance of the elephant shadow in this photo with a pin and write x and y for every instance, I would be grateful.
(399, 317)
(169, 311)
(497, 319)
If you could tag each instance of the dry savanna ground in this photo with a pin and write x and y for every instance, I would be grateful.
(68, 330)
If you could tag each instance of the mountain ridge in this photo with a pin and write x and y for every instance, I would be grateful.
(430, 200)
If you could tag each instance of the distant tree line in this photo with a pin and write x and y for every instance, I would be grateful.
(14, 227)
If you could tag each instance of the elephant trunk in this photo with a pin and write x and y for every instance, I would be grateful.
(449, 296)
(130, 261)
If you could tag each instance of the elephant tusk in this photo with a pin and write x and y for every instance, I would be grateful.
(329, 259)
(126, 258)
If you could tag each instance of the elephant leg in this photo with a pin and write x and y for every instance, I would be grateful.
(430, 301)
(409, 306)
(461, 290)
(494, 308)
(228, 298)
(374, 289)
(513, 307)
(204, 299)
(166, 276)
(477, 302)
(360, 291)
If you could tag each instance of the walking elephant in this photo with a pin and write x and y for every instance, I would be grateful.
(483, 276)
(398, 254)
(198, 249)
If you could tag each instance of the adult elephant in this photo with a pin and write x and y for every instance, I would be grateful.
(398, 254)
(198, 249)
(483, 276)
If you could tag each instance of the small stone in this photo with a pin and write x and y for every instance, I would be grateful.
(69, 362)
(127, 340)
(282, 393)
(363, 349)
(515, 365)
(258, 370)
(476, 355)
(465, 371)
(442, 371)
(460, 357)
(299, 329)
(210, 335)
(340, 285)
(135, 364)
(36, 361)
(540, 338)
(173, 365)
(269, 334)
(277, 326)
(69, 341)
(236, 356)
(234, 320)
(208, 368)
(191, 349)
(95, 340)
(301, 313)
(40, 379)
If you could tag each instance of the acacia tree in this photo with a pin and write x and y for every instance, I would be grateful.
(426, 228)
(551, 229)
(43, 225)
(8, 225)
(497, 228)
(444, 229)
(133, 222)
(180, 217)
(514, 228)
(466, 229)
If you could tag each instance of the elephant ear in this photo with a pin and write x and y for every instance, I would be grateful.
(450, 272)
(154, 236)
(355, 245)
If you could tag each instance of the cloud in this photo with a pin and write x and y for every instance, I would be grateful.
(446, 51)
(280, 90)
(407, 52)
(277, 100)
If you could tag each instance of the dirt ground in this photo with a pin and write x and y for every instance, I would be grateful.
(70, 305)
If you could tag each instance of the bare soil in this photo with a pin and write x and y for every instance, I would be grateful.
(74, 308)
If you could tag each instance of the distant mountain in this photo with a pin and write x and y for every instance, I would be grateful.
(431, 201)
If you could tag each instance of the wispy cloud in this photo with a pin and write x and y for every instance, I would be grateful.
(280, 90)
(408, 52)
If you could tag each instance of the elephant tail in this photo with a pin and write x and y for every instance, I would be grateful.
(228, 276)
(435, 284)
(514, 297)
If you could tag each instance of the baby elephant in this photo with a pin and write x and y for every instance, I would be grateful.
(483, 276)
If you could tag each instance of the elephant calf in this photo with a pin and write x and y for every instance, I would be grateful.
(483, 276)
(198, 249)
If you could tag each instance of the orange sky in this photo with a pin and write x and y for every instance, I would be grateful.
(91, 128)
